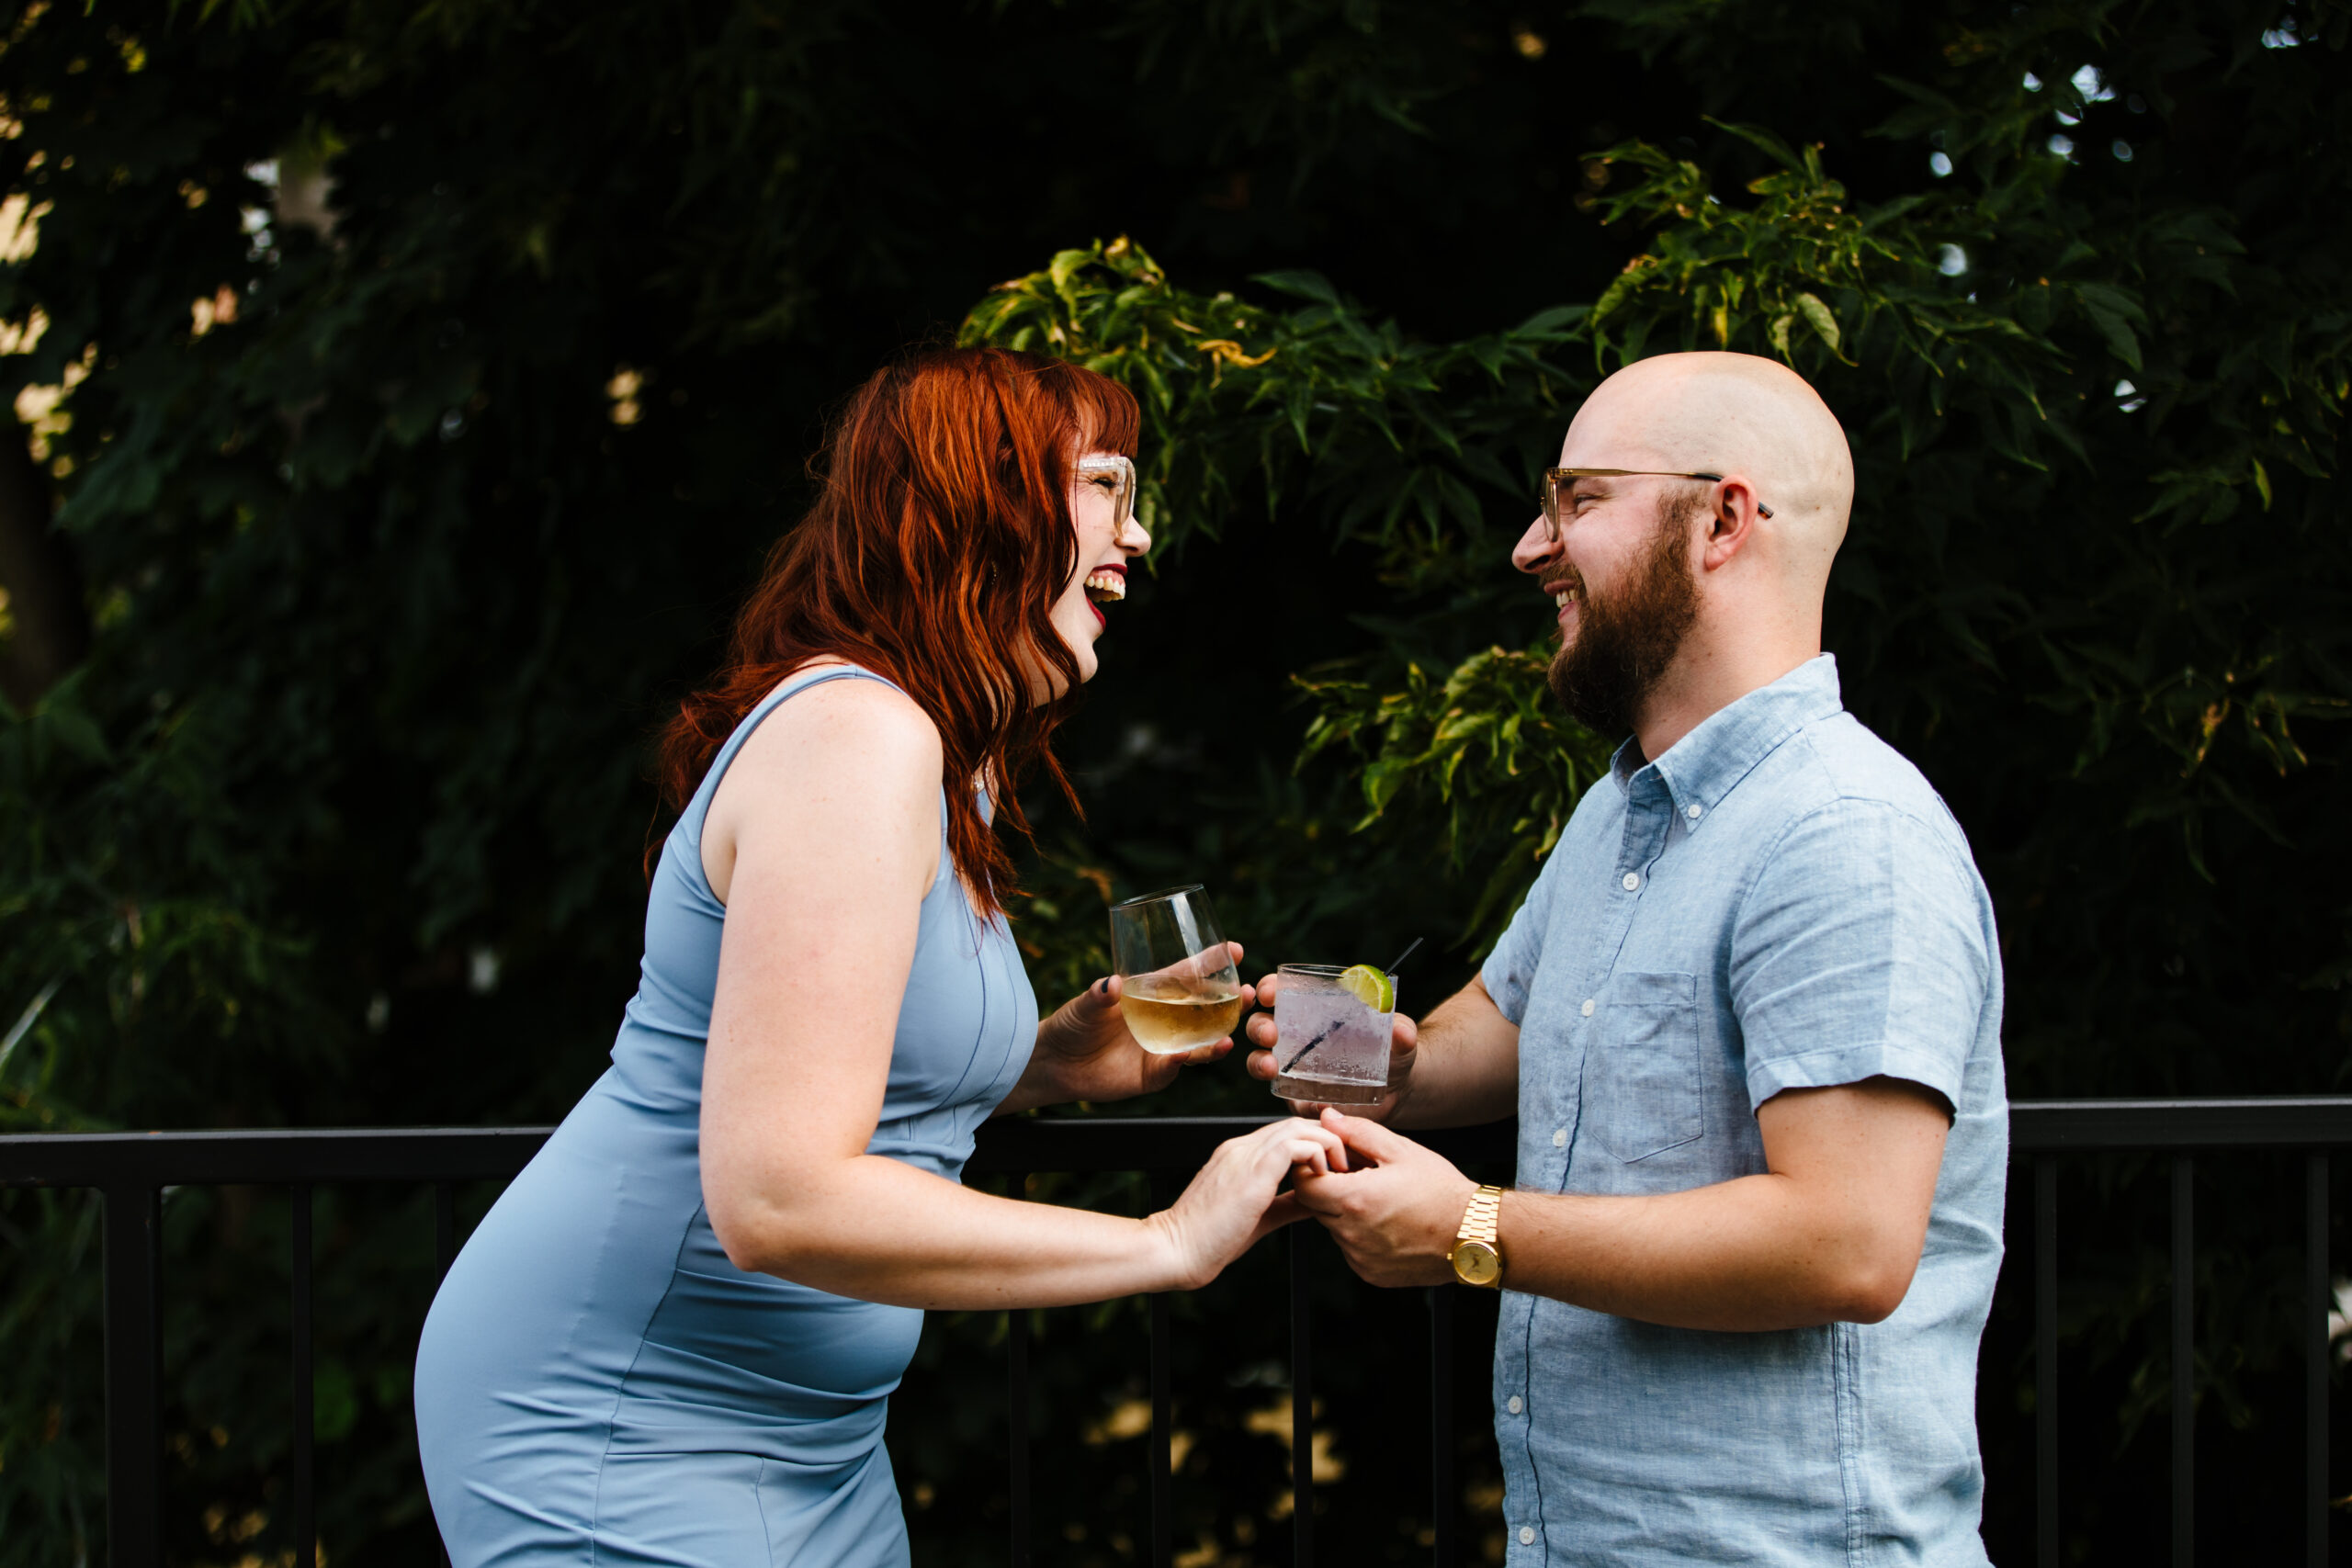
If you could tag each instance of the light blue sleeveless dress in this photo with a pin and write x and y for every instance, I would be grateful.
(596, 1382)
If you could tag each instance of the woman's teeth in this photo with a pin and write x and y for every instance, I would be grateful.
(1106, 587)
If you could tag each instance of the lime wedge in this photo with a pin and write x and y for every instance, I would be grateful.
(1370, 987)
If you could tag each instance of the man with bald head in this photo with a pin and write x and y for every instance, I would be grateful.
(1748, 1019)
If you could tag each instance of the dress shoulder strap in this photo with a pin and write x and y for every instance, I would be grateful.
(691, 820)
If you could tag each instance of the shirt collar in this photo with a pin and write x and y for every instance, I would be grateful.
(1700, 768)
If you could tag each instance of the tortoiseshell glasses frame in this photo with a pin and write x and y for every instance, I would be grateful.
(1554, 478)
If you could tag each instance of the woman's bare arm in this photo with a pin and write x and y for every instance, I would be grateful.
(822, 840)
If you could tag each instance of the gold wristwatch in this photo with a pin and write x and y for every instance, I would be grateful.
(1476, 1259)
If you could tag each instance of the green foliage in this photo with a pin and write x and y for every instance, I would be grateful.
(1504, 766)
(1753, 279)
(1385, 437)
(2090, 587)
(1999, 380)
(392, 572)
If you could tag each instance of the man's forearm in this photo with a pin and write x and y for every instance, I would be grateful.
(1465, 1070)
(1746, 1255)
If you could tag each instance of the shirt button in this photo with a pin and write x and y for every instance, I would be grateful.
(1694, 812)
(1633, 880)
(1514, 1406)
(1588, 1007)
(1526, 1535)
(1559, 1138)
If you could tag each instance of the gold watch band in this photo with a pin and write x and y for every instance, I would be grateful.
(1480, 1220)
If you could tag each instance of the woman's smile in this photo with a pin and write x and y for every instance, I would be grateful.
(1107, 530)
(1107, 583)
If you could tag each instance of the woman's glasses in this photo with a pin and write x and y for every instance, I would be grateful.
(1555, 494)
(1117, 476)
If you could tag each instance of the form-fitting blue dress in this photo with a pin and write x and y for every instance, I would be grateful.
(597, 1383)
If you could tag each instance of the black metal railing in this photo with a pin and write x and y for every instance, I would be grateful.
(2044, 1131)
(1167, 1148)
(131, 1169)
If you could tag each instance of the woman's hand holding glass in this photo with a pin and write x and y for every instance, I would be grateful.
(1174, 1004)
(1085, 1051)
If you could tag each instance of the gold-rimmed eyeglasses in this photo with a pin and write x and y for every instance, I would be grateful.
(1554, 495)
(1119, 474)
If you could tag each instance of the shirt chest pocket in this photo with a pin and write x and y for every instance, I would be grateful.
(1642, 1093)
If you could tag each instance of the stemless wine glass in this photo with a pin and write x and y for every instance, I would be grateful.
(1180, 990)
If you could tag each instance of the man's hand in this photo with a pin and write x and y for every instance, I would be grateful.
(1404, 1038)
(1085, 1052)
(1397, 1214)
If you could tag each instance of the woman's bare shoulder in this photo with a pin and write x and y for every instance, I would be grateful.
(845, 760)
(862, 724)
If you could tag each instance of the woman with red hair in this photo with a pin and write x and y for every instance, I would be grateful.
(672, 1339)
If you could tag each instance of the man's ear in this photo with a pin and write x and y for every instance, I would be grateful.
(1731, 521)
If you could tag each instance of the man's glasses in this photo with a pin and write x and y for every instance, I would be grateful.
(1118, 476)
(1556, 481)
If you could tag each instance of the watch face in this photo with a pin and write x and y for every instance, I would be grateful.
(1476, 1263)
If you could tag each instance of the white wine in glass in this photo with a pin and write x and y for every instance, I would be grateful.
(1179, 990)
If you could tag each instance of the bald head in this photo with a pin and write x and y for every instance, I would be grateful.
(1728, 414)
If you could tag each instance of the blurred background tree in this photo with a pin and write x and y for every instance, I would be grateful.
(408, 392)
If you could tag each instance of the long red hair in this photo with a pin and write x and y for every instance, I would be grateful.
(939, 540)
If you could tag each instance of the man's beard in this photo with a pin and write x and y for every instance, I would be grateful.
(1625, 640)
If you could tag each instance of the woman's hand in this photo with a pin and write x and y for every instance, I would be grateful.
(1085, 1052)
(1237, 1199)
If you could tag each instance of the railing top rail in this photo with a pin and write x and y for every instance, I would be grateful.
(265, 1156)
(2278, 1122)
(1088, 1144)
(1177, 1142)
(1084, 1143)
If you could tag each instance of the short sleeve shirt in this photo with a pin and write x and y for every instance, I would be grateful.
(1780, 901)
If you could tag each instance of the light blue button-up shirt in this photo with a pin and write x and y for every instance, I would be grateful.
(1781, 901)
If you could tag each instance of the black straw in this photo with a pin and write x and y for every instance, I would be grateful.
(1399, 963)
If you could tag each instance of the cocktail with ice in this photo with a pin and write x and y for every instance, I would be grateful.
(1332, 1029)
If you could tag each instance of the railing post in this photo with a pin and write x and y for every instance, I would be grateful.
(2184, 1362)
(1016, 1406)
(1302, 1406)
(1440, 1300)
(445, 1252)
(2045, 1360)
(2316, 1303)
(1163, 1501)
(133, 1246)
(306, 1529)
(1162, 1435)
(445, 1230)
